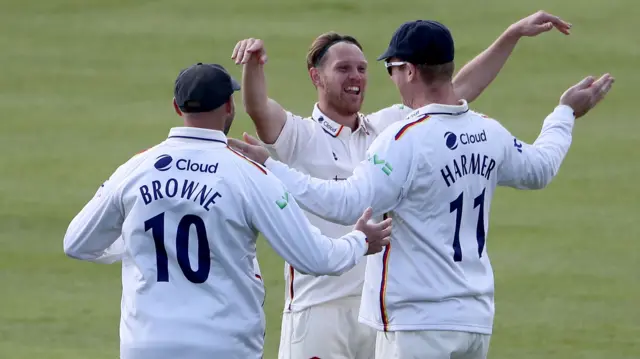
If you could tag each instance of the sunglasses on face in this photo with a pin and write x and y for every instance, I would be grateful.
(391, 64)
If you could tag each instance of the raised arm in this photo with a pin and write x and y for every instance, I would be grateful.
(534, 166)
(476, 75)
(267, 115)
(275, 213)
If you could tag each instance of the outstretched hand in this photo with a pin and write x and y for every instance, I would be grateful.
(538, 23)
(586, 94)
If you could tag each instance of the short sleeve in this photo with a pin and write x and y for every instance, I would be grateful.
(382, 119)
(292, 139)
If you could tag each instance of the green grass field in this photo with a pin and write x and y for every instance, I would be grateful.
(86, 84)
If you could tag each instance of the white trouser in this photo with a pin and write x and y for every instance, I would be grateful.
(327, 331)
(431, 345)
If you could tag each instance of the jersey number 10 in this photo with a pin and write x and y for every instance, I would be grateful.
(456, 206)
(156, 225)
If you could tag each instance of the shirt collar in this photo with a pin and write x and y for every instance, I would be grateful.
(197, 134)
(333, 128)
(440, 109)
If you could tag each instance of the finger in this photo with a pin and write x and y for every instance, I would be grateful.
(250, 139)
(257, 45)
(585, 83)
(563, 29)
(608, 85)
(246, 53)
(381, 225)
(366, 215)
(601, 87)
(544, 27)
(597, 85)
(234, 53)
(555, 20)
(558, 22)
(386, 223)
(238, 145)
(241, 48)
(263, 59)
(386, 232)
(601, 80)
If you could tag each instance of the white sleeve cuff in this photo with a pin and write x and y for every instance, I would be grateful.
(361, 240)
(564, 112)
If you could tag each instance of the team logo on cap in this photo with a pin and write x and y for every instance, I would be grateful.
(163, 163)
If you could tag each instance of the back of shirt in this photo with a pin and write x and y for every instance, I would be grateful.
(441, 227)
(436, 274)
(190, 251)
(184, 218)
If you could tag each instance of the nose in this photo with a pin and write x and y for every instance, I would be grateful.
(356, 75)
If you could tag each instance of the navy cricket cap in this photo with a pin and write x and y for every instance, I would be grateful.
(203, 87)
(421, 42)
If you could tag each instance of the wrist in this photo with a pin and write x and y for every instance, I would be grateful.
(512, 33)
(564, 109)
(362, 238)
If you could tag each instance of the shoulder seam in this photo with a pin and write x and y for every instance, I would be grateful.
(257, 165)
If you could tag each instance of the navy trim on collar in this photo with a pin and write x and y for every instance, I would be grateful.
(198, 138)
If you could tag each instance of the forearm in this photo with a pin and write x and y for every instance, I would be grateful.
(332, 256)
(291, 235)
(267, 115)
(534, 166)
(478, 74)
(553, 143)
(254, 87)
(340, 202)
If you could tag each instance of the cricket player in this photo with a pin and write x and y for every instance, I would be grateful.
(430, 294)
(186, 215)
(320, 316)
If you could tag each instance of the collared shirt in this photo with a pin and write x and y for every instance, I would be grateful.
(323, 148)
(435, 173)
(185, 216)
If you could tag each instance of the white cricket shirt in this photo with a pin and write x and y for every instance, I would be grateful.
(435, 174)
(185, 216)
(322, 148)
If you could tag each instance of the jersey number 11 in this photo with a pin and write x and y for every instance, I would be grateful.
(456, 206)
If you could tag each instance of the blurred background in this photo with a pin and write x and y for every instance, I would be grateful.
(86, 84)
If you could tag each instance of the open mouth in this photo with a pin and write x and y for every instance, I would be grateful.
(352, 90)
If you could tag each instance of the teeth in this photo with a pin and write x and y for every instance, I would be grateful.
(355, 89)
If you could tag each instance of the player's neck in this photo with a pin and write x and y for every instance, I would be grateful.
(350, 120)
(205, 123)
(444, 95)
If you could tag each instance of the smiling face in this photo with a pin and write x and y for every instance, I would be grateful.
(338, 70)
(343, 78)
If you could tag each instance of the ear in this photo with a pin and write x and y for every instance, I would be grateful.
(175, 107)
(314, 74)
(229, 105)
(412, 72)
